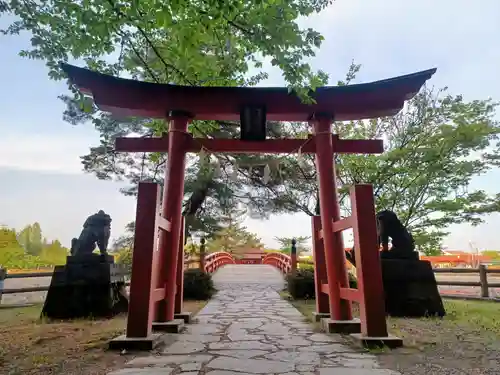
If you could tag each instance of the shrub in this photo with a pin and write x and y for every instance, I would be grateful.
(353, 281)
(198, 285)
(301, 285)
(305, 266)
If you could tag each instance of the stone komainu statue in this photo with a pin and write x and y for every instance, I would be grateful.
(389, 226)
(96, 230)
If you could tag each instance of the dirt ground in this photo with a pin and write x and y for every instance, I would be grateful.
(33, 346)
(465, 342)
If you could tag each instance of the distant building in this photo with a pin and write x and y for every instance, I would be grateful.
(248, 256)
(455, 252)
(456, 258)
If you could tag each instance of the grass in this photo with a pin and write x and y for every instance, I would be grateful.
(16, 271)
(476, 318)
(466, 339)
(30, 345)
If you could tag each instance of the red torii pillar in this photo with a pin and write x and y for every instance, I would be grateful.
(173, 193)
(340, 309)
(323, 143)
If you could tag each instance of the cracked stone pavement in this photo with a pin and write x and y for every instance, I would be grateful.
(248, 329)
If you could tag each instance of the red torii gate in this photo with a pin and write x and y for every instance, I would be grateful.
(181, 104)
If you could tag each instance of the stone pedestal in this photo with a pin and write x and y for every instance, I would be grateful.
(410, 288)
(186, 316)
(87, 286)
(341, 326)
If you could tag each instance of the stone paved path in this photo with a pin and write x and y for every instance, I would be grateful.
(248, 329)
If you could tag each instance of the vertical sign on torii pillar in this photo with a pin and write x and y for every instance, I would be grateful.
(252, 107)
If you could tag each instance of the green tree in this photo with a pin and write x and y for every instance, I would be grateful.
(24, 237)
(126, 240)
(54, 253)
(286, 243)
(233, 237)
(30, 237)
(17, 249)
(36, 239)
(433, 149)
(252, 241)
(201, 43)
(11, 252)
(493, 254)
(210, 42)
(232, 216)
(124, 256)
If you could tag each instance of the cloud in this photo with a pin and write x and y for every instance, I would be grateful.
(393, 37)
(40, 168)
(50, 153)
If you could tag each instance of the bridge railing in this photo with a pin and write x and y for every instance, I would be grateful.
(483, 282)
(281, 261)
(214, 261)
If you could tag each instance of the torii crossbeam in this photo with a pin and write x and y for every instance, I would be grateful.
(181, 104)
(236, 146)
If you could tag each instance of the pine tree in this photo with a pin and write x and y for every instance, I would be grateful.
(233, 237)
(24, 238)
(36, 239)
(286, 243)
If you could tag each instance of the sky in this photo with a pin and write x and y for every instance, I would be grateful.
(41, 176)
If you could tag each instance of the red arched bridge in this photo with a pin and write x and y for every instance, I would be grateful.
(213, 261)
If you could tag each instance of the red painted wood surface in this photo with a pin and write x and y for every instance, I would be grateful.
(279, 260)
(143, 291)
(141, 99)
(330, 210)
(179, 281)
(173, 194)
(248, 261)
(369, 293)
(320, 275)
(127, 97)
(368, 268)
(214, 261)
(236, 146)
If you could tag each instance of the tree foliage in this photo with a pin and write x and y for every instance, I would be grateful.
(28, 249)
(204, 42)
(30, 238)
(300, 243)
(186, 42)
(433, 150)
(233, 237)
(493, 254)
(434, 147)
